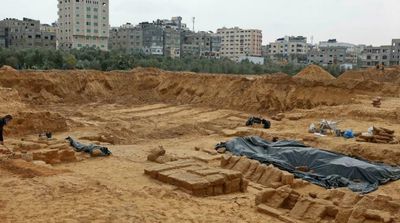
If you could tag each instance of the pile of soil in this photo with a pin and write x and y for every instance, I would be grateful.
(7, 68)
(11, 98)
(314, 73)
(391, 75)
(276, 93)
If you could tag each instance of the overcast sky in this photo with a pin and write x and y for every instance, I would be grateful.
(356, 21)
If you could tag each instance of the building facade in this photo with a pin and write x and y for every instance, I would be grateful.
(236, 42)
(83, 23)
(127, 37)
(327, 55)
(201, 44)
(373, 56)
(395, 52)
(25, 34)
(289, 45)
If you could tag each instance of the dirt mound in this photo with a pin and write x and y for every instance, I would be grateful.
(27, 169)
(266, 94)
(7, 68)
(25, 123)
(388, 75)
(314, 73)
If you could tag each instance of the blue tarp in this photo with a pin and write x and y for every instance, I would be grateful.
(324, 168)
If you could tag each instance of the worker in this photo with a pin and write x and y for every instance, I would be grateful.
(4, 121)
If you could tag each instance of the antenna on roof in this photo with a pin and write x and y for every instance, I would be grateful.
(193, 20)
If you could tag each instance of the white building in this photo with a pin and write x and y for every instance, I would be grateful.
(83, 23)
(236, 42)
(289, 45)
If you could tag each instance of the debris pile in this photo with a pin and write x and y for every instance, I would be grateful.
(197, 179)
(256, 120)
(338, 206)
(159, 155)
(256, 172)
(377, 102)
(378, 135)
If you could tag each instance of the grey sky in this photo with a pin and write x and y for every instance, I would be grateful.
(355, 21)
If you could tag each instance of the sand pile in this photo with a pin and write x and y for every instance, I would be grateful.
(7, 68)
(314, 73)
(388, 75)
(266, 94)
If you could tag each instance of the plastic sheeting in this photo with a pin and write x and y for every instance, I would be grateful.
(324, 168)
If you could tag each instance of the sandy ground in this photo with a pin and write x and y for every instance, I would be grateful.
(115, 189)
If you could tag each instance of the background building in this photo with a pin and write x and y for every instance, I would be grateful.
(289, 45)
(395, 52)
(289, 48)
(201, 44)
(25, 33)
(236, 42)
(83, 23)
(373, 56)
(327, 55)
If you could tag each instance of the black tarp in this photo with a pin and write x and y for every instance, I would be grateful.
(79, 147)
(325, 168)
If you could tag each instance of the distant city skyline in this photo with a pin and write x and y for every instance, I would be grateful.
(368, 22)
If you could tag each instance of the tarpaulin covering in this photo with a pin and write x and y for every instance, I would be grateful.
(79, 147)
(324, 168)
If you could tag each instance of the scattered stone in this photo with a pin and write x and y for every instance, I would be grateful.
(221, 150)
(155, 153)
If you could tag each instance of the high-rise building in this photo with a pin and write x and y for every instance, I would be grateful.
(83, 23)
(25, 33)
(236, 42)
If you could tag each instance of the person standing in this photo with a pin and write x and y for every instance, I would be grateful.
(4, 121)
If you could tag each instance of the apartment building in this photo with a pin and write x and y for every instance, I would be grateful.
(395, 52)
(236, 42)
(289, 45)
(376, 55)
(127, 37)
(83, 23)
(201, 44)
(327, 55)
(24, 34)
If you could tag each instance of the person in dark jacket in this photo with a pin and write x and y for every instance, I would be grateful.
(4, 121)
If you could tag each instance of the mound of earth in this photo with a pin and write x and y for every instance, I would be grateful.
(388, 75)
(274, 93)
(7, 68)
(314, 73)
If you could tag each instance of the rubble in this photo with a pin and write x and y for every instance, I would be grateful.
(377, 102)
(198, 179)
(378, 135)
(254, 171)
(339, 206)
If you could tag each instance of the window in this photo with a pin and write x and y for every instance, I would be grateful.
(88, 16)
(88, 9)
(89, 31)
